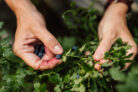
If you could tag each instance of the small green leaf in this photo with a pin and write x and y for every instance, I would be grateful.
(106, 55)
(119, 41)
(37, 86)
(54, 78)
(68, 52)
(1, 24)
(116, 74)
(57, 89)
(107, 64)
(64, 58)
(82, 48)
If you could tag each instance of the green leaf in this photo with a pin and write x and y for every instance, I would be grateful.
(43, 88)
(66, 79)
(68, 52)
(86, 67)
(57, 88)
(78, 81)
(81, 88)
(54, 78)
(73, 4)
(119, 41)
(107, 55)
(2, 32)
(107, 64)
(36, 87)
(116, 74)
(129, 56)
(82, 48)
(64, 58)
(1, 24)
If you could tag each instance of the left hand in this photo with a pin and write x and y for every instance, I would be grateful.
(112, 26)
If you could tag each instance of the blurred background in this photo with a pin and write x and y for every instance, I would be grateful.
(52, 10)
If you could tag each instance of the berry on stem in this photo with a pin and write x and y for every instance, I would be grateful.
(77, 76)
(58, 56)
(74, 48)
(40, 54)
(39, 50)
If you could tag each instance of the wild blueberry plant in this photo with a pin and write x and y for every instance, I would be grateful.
(77, 72)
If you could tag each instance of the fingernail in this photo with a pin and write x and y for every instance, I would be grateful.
(58, 49)
(98, 56)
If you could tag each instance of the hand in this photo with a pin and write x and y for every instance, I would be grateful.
(112, 26)
(31, 30)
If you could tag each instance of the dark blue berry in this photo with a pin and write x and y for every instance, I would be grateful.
(43, 48)
(40, 54)
(77, 76)
(58, 56)
(74, 48)
(36, 47)
(42, 51)
(36, 52)
(39, 50)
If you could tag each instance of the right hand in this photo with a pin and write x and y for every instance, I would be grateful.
(31, 29)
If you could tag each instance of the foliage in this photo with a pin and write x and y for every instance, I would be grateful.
(82, 22)
(76, 73)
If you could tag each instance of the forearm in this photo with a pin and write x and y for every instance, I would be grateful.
(20, 6)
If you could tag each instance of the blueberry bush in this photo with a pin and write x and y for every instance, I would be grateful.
(77, 72)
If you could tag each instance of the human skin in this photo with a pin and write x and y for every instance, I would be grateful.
(113, 26)
(31, 28)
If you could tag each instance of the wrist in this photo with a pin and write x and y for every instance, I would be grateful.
(20, 6)
(118, 8)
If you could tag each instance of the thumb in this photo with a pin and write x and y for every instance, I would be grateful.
(103, 47)
(49, 41)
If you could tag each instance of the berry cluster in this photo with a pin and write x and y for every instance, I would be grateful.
(39, 50)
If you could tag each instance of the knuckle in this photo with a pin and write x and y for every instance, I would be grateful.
(15, 50)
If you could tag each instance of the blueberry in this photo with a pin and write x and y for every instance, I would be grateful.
(36, 52)
(40, 54)
(77, 76)
(36, 47)
(58, 56)
(74, 48)
(43, 48)
(39, 50)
